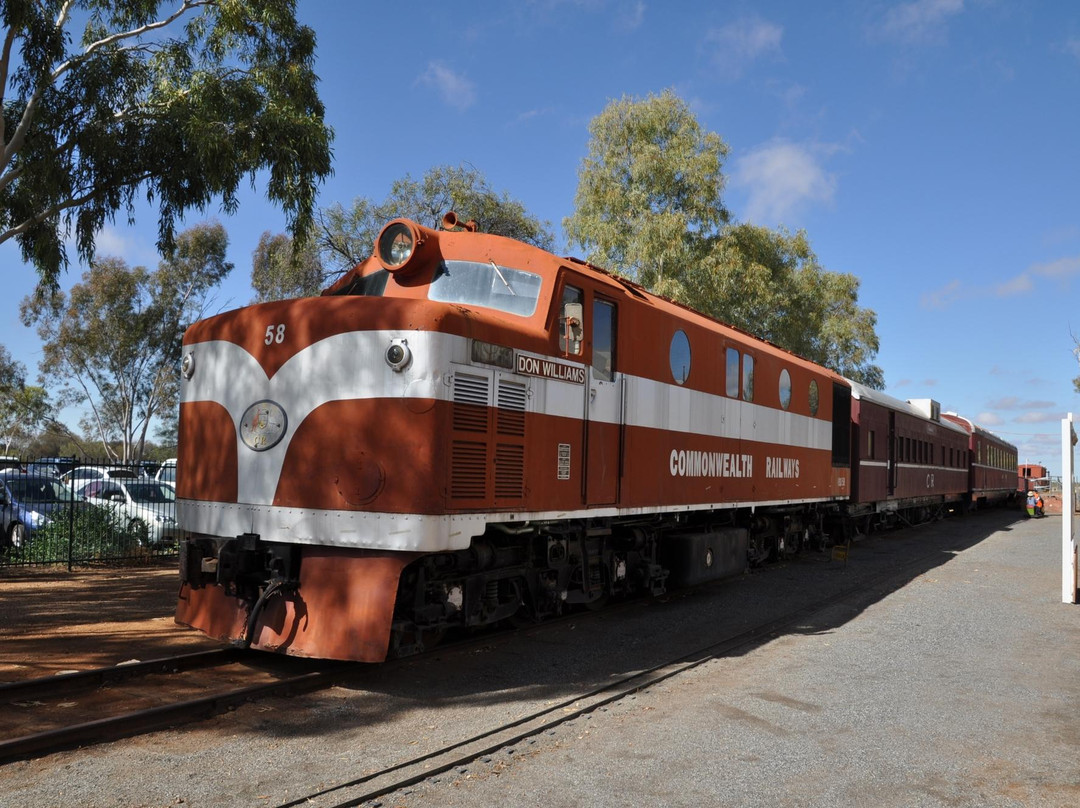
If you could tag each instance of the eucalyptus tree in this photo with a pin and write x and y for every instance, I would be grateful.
(649, 205)
(347, 235)
(112, 345)
(109, 103)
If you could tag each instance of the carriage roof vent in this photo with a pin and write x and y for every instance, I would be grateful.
(928, 407)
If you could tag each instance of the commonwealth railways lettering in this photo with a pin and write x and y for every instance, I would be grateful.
(710, 464)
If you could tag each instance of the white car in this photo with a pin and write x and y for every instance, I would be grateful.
(167, 472)
(146, 508)
(79, 476)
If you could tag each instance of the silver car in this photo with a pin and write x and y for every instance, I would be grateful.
(146, 508)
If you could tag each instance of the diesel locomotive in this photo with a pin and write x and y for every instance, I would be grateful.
(465, 429)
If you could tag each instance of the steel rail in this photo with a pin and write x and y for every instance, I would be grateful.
(552, 716)
(63, 683)
(154, 718)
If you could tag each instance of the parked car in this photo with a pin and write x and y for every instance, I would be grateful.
(167, 473)
(9, 462)
(79, 476)
(29, 502)
(41, 468)
(146, 508)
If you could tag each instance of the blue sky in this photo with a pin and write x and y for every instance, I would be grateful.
(930, 148)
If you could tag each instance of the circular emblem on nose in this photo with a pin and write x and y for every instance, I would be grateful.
(263, 425)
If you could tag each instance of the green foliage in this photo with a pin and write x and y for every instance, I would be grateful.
(23, 408)
(114, 342)
(648, 200)
(90, 534)
(648, 205)
(347, 236)
(177, 109)
(770, 284)
(278, 273)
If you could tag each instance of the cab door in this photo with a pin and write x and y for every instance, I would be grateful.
(603, 408)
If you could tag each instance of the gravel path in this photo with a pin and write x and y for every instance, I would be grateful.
(957, 682)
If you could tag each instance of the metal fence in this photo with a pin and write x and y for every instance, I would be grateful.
(80, 511)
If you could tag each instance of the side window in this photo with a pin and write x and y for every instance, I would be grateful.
(570, 320)
(603, 350)
(679, 357)
(870, 444)
(748, 377)
(813, 397)
(731, 373)
(785, 389)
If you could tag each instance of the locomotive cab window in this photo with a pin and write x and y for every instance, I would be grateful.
(679, 356)
(571, 325)
(603, 349)
(476, 283)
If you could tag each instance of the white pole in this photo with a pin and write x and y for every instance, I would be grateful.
(1068, 508)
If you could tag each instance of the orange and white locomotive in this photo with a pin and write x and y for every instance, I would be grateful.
(466, 429)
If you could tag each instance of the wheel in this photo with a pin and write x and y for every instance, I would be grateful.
(17, 535)
(139, 530)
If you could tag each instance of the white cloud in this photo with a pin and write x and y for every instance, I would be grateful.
(1039, 418)
(735, 45)
(454, 89)
(1060, 271)
(922, 21)
(109, 242)
(1073, 46)
(942, 298)
(989, 419)
(630, 16)
(781, 177)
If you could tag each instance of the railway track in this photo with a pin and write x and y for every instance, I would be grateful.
(104, 704)
(459, 756)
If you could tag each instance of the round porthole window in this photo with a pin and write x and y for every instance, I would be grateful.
(679, 356)
(813, 398)
(785, 389)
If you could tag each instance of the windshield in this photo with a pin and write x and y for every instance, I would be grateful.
(38, 489)
(151, 492)
(475, 283)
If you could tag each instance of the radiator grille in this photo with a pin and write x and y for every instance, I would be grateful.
(471, 400)
(488, 441)
(468, 470)
(511, 412)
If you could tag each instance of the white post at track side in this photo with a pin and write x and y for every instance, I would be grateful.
(1068, 512)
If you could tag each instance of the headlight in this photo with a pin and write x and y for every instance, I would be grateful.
(398, 355)
(35, 519)
(397, 245)
(187, 365)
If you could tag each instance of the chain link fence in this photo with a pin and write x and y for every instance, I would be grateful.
(81, 511)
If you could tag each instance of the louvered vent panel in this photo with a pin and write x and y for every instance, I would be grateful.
(511, 402)
(471, 399)
(509, 471)
(468, 473)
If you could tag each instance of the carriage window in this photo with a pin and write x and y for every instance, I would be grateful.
(489, 285)
(870, 444)
(603, 351)
(679, 356)
(732, 373)
(813, 397)
(570, 320)
(785, 389)
(748, 377)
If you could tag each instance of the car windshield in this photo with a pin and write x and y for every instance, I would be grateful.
(39, 490)
(167, 474)
(475, 283)
(151, 492)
